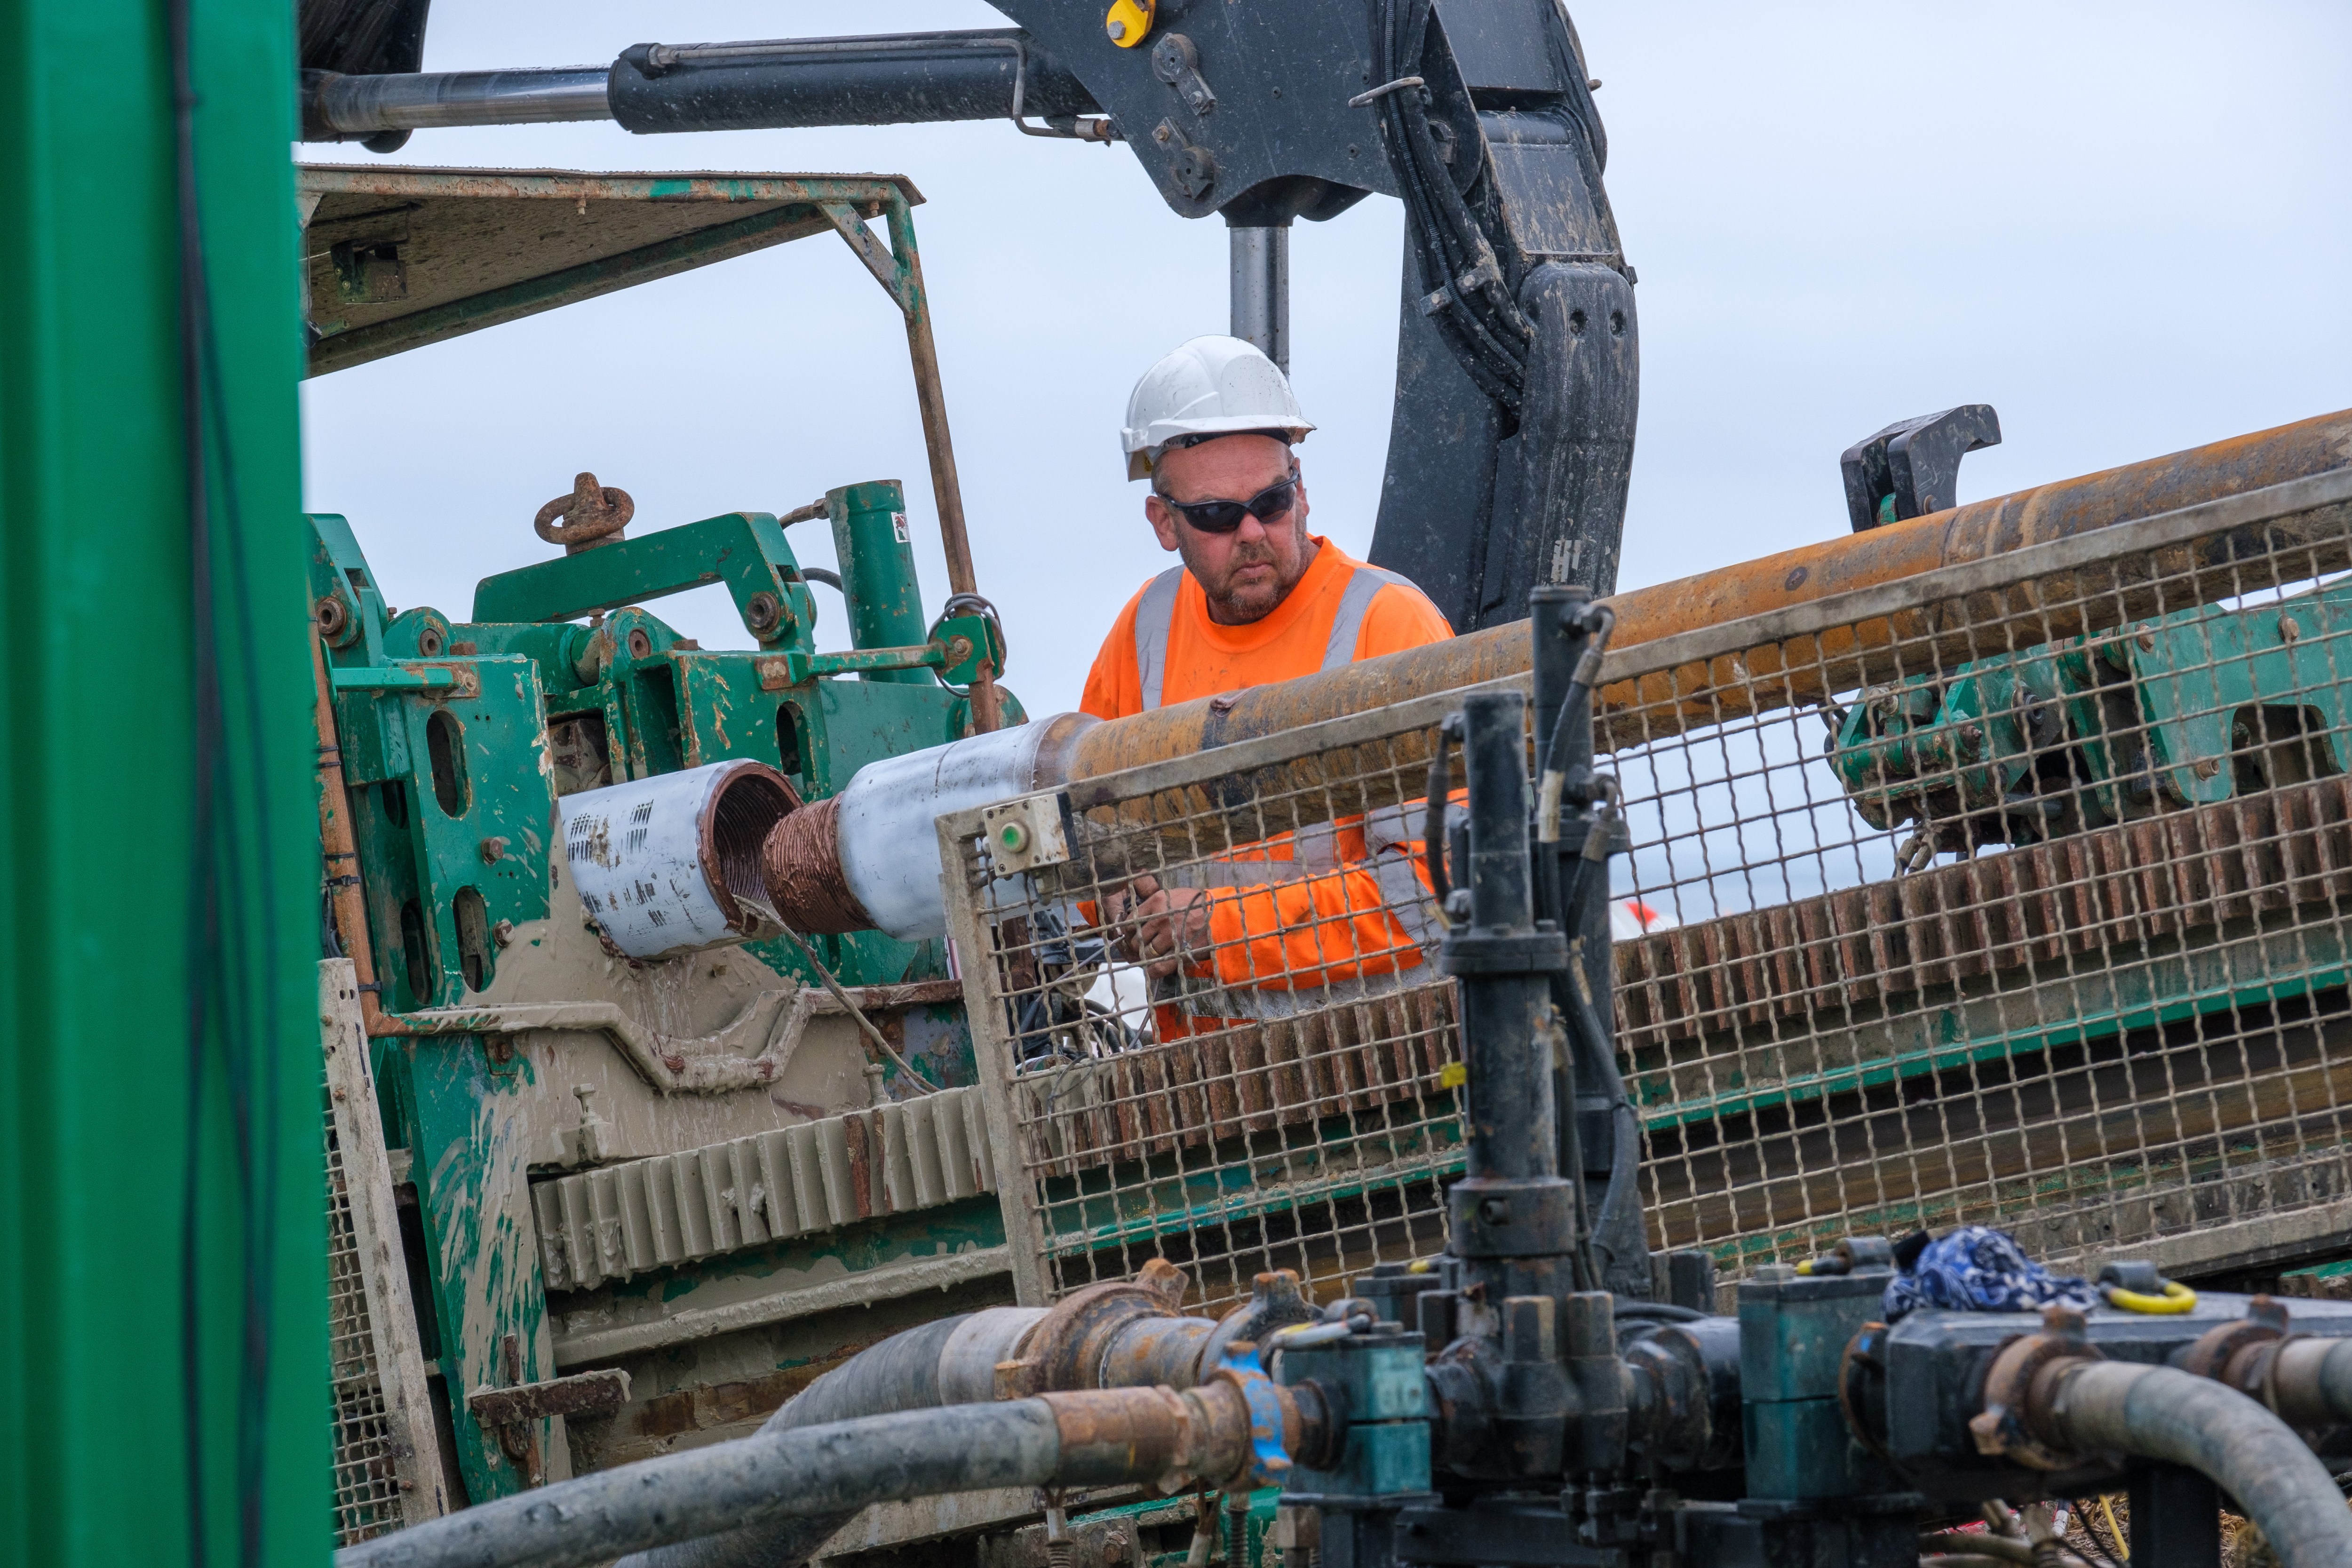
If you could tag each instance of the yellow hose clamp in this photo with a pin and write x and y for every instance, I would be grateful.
(1129, 22)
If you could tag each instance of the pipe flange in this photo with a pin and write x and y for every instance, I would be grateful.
(2219, 1347)
(2003, 1429)
(1066, 1349)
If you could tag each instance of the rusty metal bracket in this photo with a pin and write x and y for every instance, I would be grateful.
(850, 224)
(598, 1392)
(513, 1411)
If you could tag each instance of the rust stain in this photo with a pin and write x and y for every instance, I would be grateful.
(863, 1146)
(725, 1403)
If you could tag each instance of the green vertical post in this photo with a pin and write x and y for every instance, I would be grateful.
(121, 1125)
(877, 573)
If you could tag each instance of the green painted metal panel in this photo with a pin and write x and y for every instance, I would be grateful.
(467, 1132)
(100, 1090)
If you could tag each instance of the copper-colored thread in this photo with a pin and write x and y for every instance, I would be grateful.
(802, 863)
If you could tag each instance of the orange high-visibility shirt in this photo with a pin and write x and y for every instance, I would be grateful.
(1293, 932)
(1164, 648)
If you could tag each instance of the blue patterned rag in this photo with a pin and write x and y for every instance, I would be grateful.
(1977, 1269)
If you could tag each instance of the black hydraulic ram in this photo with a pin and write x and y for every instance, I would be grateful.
(901, 78)
(894, 79)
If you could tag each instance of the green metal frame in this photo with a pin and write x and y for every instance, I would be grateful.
(97, 1098)
(811, 205)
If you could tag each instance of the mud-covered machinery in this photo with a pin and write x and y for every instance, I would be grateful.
(629, 1120)
(1494, 1402)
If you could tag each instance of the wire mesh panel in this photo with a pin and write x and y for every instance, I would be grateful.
(367, 1481)
(2013, 892)
(387, 1468)
(2021, 902)
(1217, 1027)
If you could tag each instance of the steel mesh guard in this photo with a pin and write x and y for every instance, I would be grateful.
(2012, 893)
(367, 1480)
(386, 1462)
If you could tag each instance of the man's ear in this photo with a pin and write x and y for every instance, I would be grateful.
(1163, 520)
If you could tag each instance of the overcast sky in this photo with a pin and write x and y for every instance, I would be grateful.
(2123, 225)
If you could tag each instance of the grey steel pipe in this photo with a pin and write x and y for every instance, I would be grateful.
(2160, 1413)
(1261, 288)
(359, 105)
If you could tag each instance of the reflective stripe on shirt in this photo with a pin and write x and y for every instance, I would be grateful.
(1155, 624)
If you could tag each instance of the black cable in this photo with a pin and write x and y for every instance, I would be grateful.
(218, 873)
(1436, 797)
(1483, 325)
(202, 905)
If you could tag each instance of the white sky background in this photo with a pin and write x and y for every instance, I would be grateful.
(2124, 226)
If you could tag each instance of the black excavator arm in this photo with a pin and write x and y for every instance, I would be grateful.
(1518, 366)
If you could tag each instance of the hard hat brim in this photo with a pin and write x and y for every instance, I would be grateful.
(1144, 446)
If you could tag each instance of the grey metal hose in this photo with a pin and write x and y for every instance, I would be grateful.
(2160, 1413)
(830, 1471)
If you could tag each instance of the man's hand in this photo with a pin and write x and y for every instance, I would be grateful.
(1157, 927)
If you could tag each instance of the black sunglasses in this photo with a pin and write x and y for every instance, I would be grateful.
(1226, 516)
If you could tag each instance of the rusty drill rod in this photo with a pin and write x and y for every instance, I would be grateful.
(1811, 571)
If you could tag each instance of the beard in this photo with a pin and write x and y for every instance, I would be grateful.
(1241, 603)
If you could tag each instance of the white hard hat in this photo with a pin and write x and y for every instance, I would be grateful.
(1210, 386)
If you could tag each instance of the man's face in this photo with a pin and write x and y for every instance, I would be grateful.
(1248, 571)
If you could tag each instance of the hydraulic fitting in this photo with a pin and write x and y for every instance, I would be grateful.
(1373, 1398)
(1793, 1333)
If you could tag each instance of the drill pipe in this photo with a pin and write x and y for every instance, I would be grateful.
(1811, 571)
(1807, 668)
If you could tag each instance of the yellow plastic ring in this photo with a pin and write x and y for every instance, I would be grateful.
(2177, 1297)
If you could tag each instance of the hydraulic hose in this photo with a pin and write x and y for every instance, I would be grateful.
(1130, 1338)
(949, 1362)
(831, 1472)
(2160, 1413)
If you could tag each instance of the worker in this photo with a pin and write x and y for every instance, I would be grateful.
(1256, 598)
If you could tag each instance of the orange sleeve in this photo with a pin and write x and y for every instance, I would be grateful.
(1114, 686)
(1400, 618)
(1297, 935)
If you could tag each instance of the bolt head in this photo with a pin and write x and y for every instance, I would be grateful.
(1115, 28)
